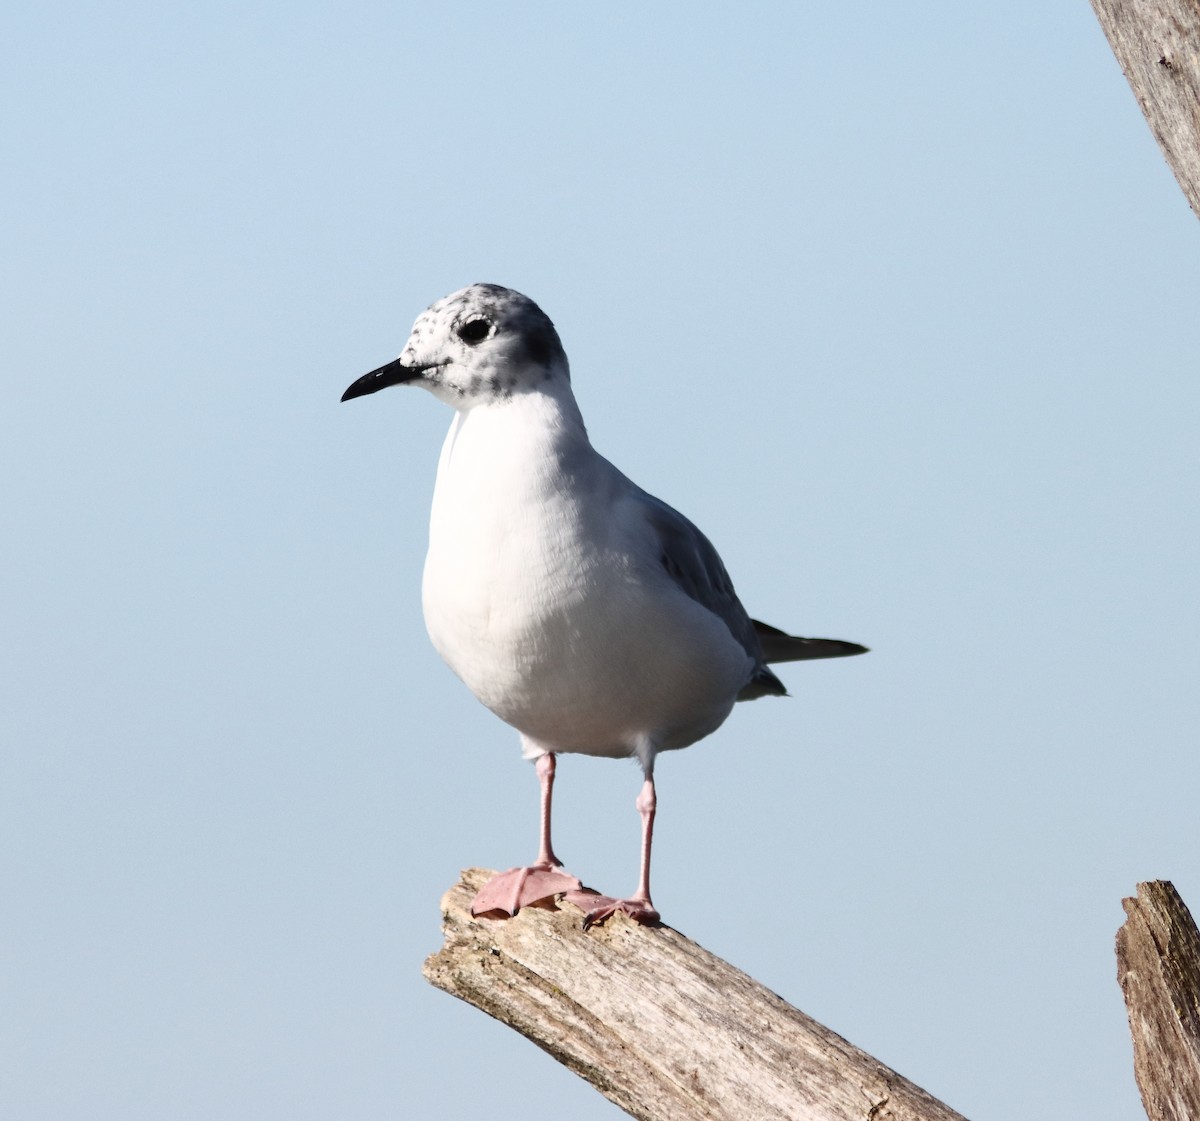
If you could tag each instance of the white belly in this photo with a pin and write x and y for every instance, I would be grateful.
(562, 627)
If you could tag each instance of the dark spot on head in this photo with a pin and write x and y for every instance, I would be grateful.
(542, 344)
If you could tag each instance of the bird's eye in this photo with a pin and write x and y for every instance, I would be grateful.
(474, 331)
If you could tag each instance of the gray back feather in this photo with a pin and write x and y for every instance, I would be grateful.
(691, 561)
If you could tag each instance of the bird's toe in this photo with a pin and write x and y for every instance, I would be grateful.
(596, 908)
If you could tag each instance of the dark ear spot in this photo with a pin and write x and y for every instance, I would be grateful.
(542, 344)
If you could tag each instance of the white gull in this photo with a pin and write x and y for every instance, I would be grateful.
(586, 613)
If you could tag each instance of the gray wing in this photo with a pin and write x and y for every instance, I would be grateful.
(691, 561)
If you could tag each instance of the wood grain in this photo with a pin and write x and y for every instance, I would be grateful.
(661, 1027)
(1157, 43)
(1158, 965)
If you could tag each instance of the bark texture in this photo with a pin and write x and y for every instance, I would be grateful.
(1157, 43)
(1158, 965)
(661, 1027)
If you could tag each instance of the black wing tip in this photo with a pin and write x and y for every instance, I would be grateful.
(792, 648)
(836, 647)
(847, 649)
(833, 648)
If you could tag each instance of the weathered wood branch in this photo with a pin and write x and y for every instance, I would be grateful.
(1158, 965)
(1157, 43)
(661, 1027)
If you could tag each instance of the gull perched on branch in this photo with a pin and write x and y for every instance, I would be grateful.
(586, 613)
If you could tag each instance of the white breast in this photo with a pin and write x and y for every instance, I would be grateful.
(551, 605)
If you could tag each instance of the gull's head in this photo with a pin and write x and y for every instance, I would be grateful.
(477, 346)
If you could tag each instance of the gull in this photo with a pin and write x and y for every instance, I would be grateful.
(581, 610)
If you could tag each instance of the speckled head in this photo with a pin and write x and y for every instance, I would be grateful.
(480, 345)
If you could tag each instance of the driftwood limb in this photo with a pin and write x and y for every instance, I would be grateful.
(1158, 965)
(661, 1027)
(1157, 43)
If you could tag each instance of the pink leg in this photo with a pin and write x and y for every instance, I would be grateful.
(505, 894)
(545, 767)
(639, 906)
(647, 803)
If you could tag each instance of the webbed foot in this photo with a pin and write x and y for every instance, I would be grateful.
(596, 908)
(507, 892)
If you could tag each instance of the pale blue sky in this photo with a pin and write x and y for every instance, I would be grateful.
(899, 305)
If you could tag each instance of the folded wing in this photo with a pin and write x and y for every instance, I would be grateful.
(691, 561)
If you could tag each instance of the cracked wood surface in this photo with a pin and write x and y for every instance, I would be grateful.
(661, 1027)
(1158, 965)
(1157, 43)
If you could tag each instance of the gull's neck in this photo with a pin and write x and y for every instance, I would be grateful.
(532, 423)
